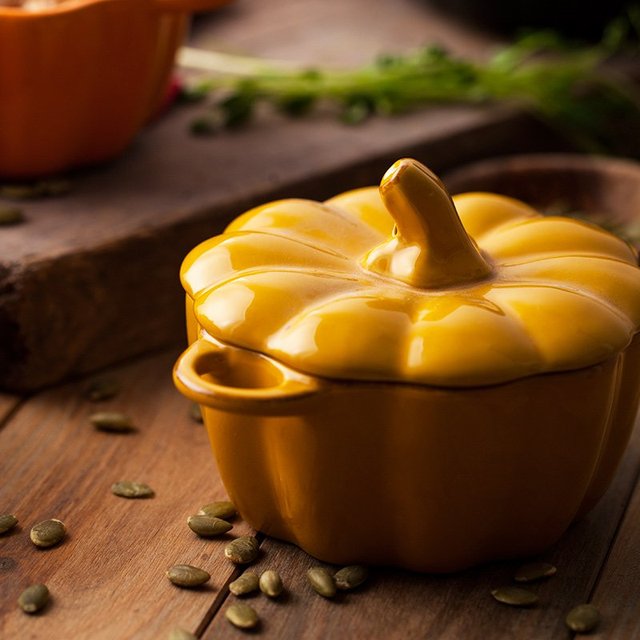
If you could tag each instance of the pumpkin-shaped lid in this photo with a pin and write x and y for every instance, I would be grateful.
(395, 284)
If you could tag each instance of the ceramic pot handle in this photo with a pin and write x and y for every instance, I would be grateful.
(239, 380)
(190, 6)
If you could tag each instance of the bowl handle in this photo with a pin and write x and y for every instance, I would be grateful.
(200, 369)
(190, 6)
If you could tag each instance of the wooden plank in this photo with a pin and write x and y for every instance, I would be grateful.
(8, 403)
(306, 32)
(399, 605)
(107, 578)
(91, 277)
(617, 593)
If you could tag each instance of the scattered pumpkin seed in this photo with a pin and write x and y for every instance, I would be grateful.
(248, 582)
(242, 550)
(271, 583)
(515, 596)
(47, 533)
(322, 582)
(195, 412)
(7, 522)
(350, 577)
(54, 187)
(583, 619)
(25, 191)
(181, 634)
(20, 191)
(221, 509)
(10, 216)
(208, 526)
(127, 489)
(34, 598)
(112, 422)
(207, 125)
(534, 571)
(242, 616)
(102, 389)
(185, 575)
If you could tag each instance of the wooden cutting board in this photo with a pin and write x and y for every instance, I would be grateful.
(91, 277)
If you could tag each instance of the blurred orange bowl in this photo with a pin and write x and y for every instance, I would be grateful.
(79, 79)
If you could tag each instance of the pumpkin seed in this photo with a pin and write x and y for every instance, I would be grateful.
(47, 533)
(185, 575)
(195, 412)
(25, 191)
(322, 582)
(242, 550)
(221, 509)
(534, 571)
(350, 577)
(102, 389)
(54, 187)
(242, 616)
(247, 583)
(208, 526)
(33, 598)
(20, 191)
(7, 522)
(515, 596)
(112, 422)
(10, 216)
(271, 583)
(583, 618)
(181, 634)
(205, 126)
(127, 489)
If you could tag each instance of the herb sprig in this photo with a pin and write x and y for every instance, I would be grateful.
(570, 87)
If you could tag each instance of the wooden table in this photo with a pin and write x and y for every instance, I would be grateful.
(107, 578)
(138, 216)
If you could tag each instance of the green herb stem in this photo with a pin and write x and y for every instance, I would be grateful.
(567, 87)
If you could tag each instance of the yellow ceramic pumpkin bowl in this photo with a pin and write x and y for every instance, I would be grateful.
(466, 371)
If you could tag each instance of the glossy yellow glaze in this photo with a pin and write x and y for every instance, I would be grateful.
(474, 383)
(494, 295)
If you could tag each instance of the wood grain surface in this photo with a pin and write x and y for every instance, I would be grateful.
(306, 32)
(92, 277)
(617, 593)
(107, 577)
(7, 405)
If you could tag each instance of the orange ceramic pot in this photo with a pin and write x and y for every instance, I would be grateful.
(333, 430)
(78, 80)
